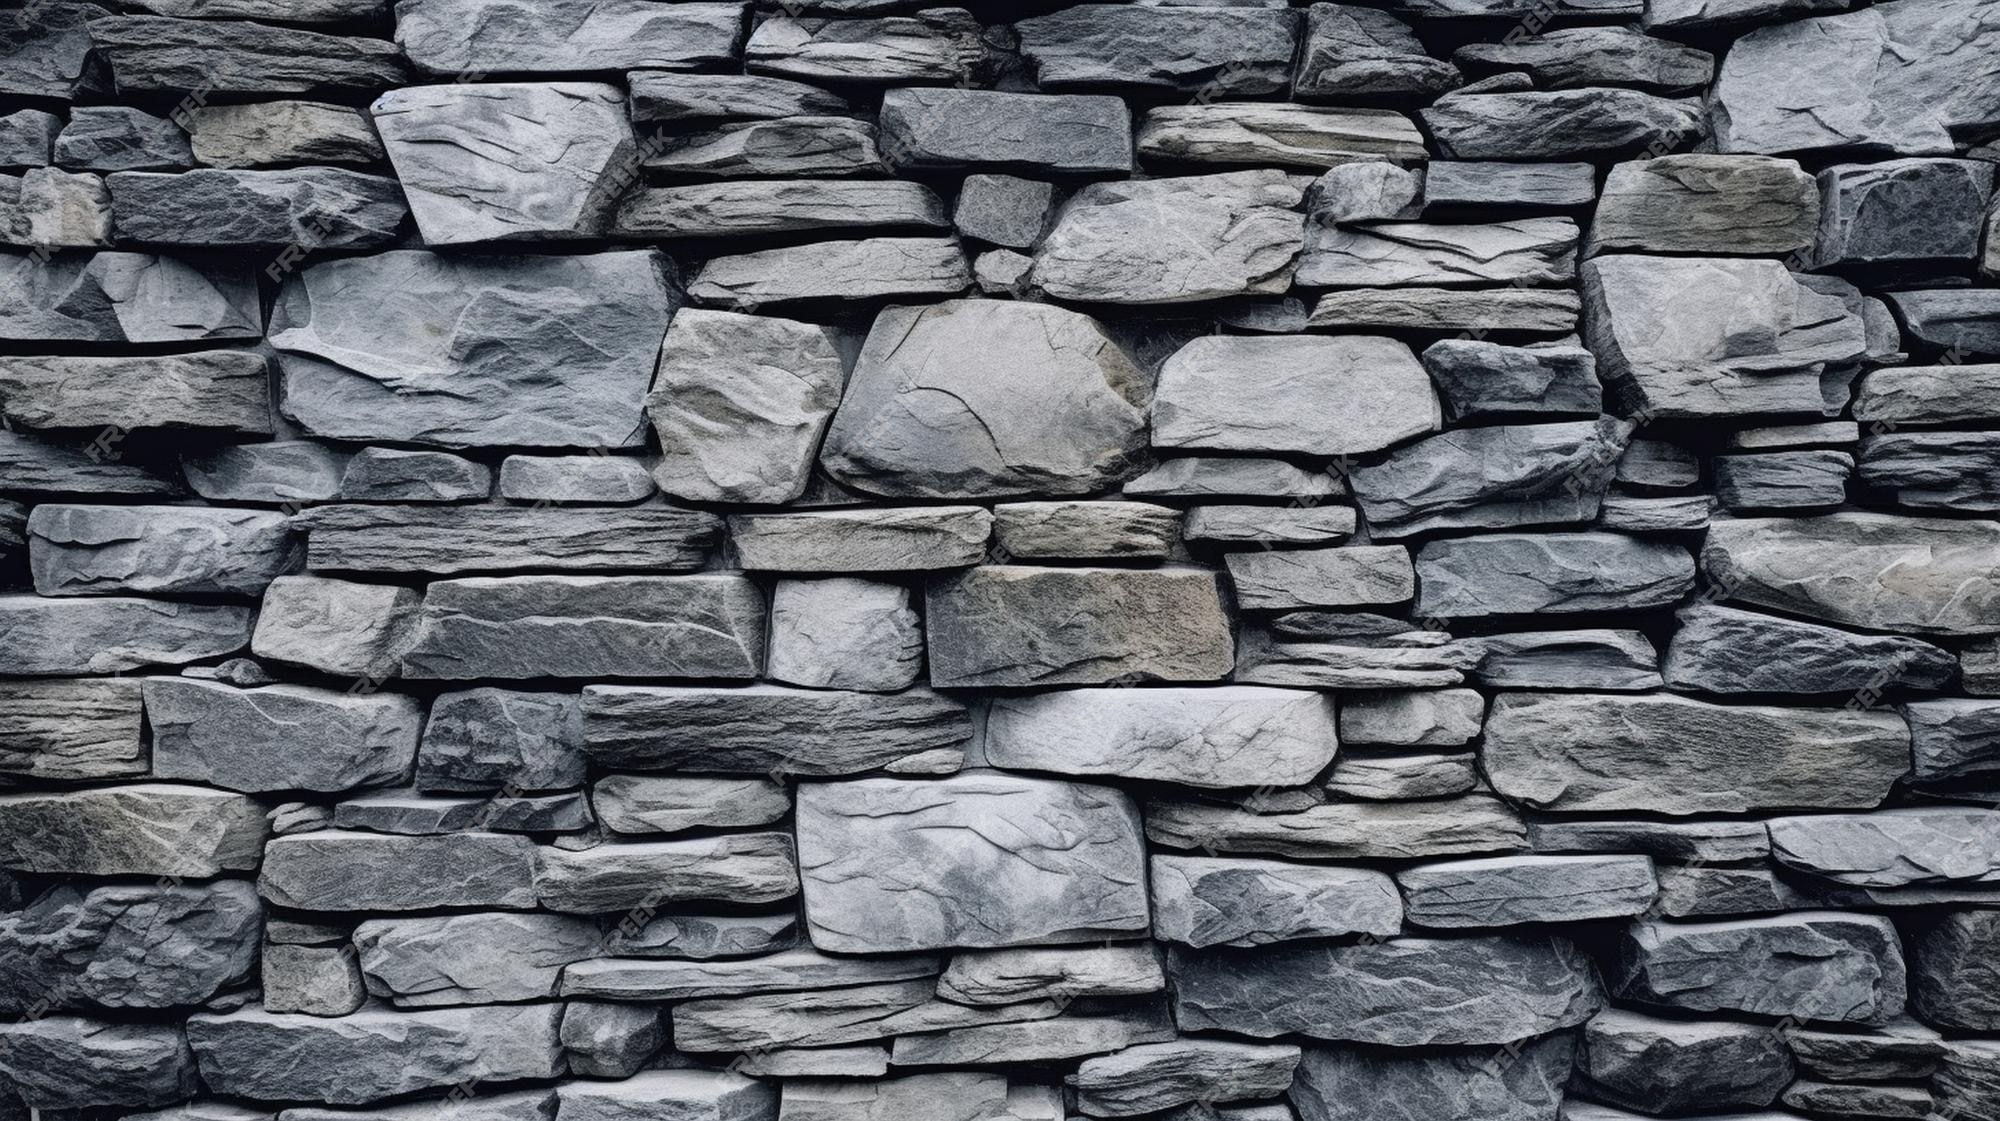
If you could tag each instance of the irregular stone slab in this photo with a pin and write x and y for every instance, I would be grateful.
(111, 634)
(1522, 252)
(1938, 470)
(121, 138)
(1051, 972)
(176, 945)
(659, 97)
(873, 268)
(738, 867)
(1790, 480)
(1268, 657)
(936, 45)
(1207, 901)
(279, 472)
(1559, 124)
(862, 540)
(1644, 1062)
(1666, 336)
(696, 1095)
(1571, 57)
(1530, 310)
(1519, 573)
(1231, 524)
(1352, 1083)
(765, 728)
(1498, 477)
(70, 1062)
(49, 209)
(279, 737)
(1402, 992)
(1281, 580)
(93, 550)
(1356, 53)
(1952, 970)
(1478, 379)
(1229, 735)
(1510, 890)
(610, 1040)
(405, 812)
(1836, 433)
(479, 36)
(372, 1054)
(1399, 778)
(1952, 736)
(788, 971)
(1075, 1035)
(1884, 78)
(703, 937)
(28, 136)
(1893, 848)
(1368, 190)
(947, 128)
(1687, 842)
(223, 390)
(1706, 204)
(335, 626)
(154, 54)
(1413, 717)
(1903, 1049)
(1241, 51)
(263, 133)
(396, 475)
(709, 625)
(923, 418)
(1832, 1099)
(1694, 891)
(1286, 135)
(525, 1105)
(470, 959)
(71, 728)
(324, 207)
(1452, 184)
(526, 350)
(507, 161)
(1154, 1076)
(1084, 530)
(1967, 1076)
(772, 206)
(145, 829)
(952, 1096)
(1020, 625)
(592, 479)
(844, 633)
(1169, 241)
(976, 860)
(343, 870)
(1812, 965)
(1233, 477)
(451, 539)
(740, 403)
(1628, 513)
(1930, 394)
(1673, 755)
(1582, 659)
(662, 804)
(796, 146)
(1879, 571)
(48, 52)
(1252, 393)
(1869, 212)
(834, 1016)
(1341, 831)
(1720, 649)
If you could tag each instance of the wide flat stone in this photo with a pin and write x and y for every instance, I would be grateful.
(1348, 576)
(1095, 1028)
(703, 937)
(1930, 394)
(1229, 523)
(978, 860)
(1229, 735)
(1523, 252)
(640, 804)
(1788, 480)
(1638, 1061)
(1007, 976)
(1511, 890)
(1811, 965)
(490, 958)
(48, 52)
(1479, 379)
(862, 540)
(158, 54)
(1341, 830)
(574, 479)
(1723, 204)
(454, 37)
(1667, 754)
(445, 540)
(399, 475)
(737, 867)
(348, 870)
(1263, 133)
(1573, 57)
(1495, 477)
(40, 636)
(1519, 573)
(280, 737)
(1399, 778)
(928, 128)
(802, 146)
(274, 473)
(874, 268)
(767, 728)
(1892, 848)
(935, 45)
(949, 1096)
(1085, 530)
(266, 133)
(832, 1017)
(72, 728)
(1719, 649)
(1926, 576)
(1154, 1076)
(1934, 470)
(1233, 52)
(118, 296)
(325, 207)
(1574, 659)
(663, 97)
(696, 1095)
(72, 1062)
(145, 829)
(1527, 310)
(1256, 393)
(337, 627)
(1456, 184)
(1211, 901)
(177, 945)
(747, 207)
(788, 971)
(224, 390)
(95, 550)
(1560, 124)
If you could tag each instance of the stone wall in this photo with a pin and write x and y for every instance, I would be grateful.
(633, 560)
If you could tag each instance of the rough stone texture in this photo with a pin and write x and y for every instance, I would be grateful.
(225, 390)
(1036, 973)
(145, 829)
(1344, 577)
(458, 36)
(1511, 890)
(844, 633)
(279, 737)
(1812, 965)
(1720, 649)
(1357, 52)
(1567, 58)
(1497, 477)
(264, 133)
(1358, 1083)
(1232, 735)
(871, 268)
(453, 539)
(1234, 52)
(343, 870)
(157, 54)
(1644, 1062)
(1707, 204)
(70, 1062)
(128, 947)
(112, 634)
(1155, 1076)
(1235, 393)
(1205, 901)
(1524, 252)
(1479, 379)
(335, 626)
(1559, 124)
(1517, 573)
(1863, 569)
(1175, 240)
(332, 207)
(943, 128)
(470, 959)
(1390, 830)
(1084, 530)
(1870, 214)
(779, 206)
(768, 728)
(1285, 135)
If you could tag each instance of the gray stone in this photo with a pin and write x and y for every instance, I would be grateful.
(1177, 240)
(538, 1104)
(930, 128)
(492, 739)
(1952, 974)
(1581, 659)
(552, 479)
(806, 146)
(1545, 312)
(1209, 901)
(264, 133)
(862, 540)
(1902, 212)
(743, 207)
(1485, 183)
(1634, 513)
(470, 959)
(128, 946)
(1366, 190)
(120, 138)
(1003, 209)
(1479, 379)
(1223, 736)
(1095, 1027)
(28, 137)
(1719, 649)
(873, 268)
(47, 52)
(50, 209)
(1644, 1062)
(278, 472)
(396, 475)
(315, 980)
(335, 626)
(93, 550)
(1903, 1049)
(145, 829)
(221, 390)
(111, 634)
(1808, 965)
(1234, 477)
(1413, 717)
(1689, 842)
(603, 1040)
(1399, 778)
(1521, 252)
(1286, 135)
(372, 1054)
(343, 870)
(1835, 1100)
(1696, 891)
(767, 728)
(737, 867)
(1674, 755)
(1956, 320)
(1280, 580)
(1351, 662)
(952, 1096)
(1497, 477)
(1952, 736)
(787, 971)
(1930, 394)
(1559, 124)
(155, 54)
(1272, 525)
(1084, 530)
(740, 403)
(1891, 77)
(1026, 973)
(936, 45)
(454, 37)
(1511, 890)
(1879, 571)
(507, 161)
(1957, 471)
(1892, 848)
(844, 633)
(1786, 480)
(1693, 14)
(1967, 1079)
(710, 625)
(493, 538)
(1155, 1076)
(1667, 345)
(976, 860)
(1520, 573)
(1228, 53)
(71, 728)
(404, 811)
(1522, 1083)
(1402, 992)
(676, 803)
(1707, 204)
(701, 937)
(1352, 52)
(1263, 393)
(660, 97)
(1825, 433)
(1344, 831)
(320, 207)
(70, 1062)
(1571, 57)
(279, 737)
(524, 350)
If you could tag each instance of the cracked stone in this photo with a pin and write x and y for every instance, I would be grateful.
(280, 737)
(1209, 901)
(454, 37)
(1224, 736)
(1175, 240)
(145, 829)
(1809, 965)
(1511, 890)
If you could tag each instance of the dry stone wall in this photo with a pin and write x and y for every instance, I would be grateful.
(839, 560)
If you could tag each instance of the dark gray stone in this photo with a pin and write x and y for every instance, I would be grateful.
(396, 475)
(1580, 659)
(451, 539)
(31, 466)
(1234, 52)
(1643, 1062)
(765, 729)
(120, 138)
(741, 868)
(1520, 252)
(1706, 204)
(175, 945)
(1953, 970)
(155, 54)
(1680, 842)
(1498, 477)
(40, 636)
(661, 97)
(1512, 890)
(1368, 190)
(47, 52)
(275, 473)
(1357, 53)
(70, 1062)
(28, 137)
(185, 550)
(1085, 530)
(802, 146)
(1210, 477)
(1901, 212)
(1638, 513)
(1930, 394)
(455, 37)
(1719, 649)
(789, 971)
(279, 737)
(147, 829)
(1904, 1049)
(71, 728)
(1559, 124)
(1571, 57)
(744, 207)
(935, 45)
(1808, 965)
(1003, 209)
(1935, 470)
(221, 390)
(1480, 379)
(929, 128)
(1786, 480)
(315, 207)
(1520, 573)
(1528, 310)
(1272, 525)
(1209, 901)
(1955, 320)
(1263, 133)
(1522, 1082)
(604, 1040)
(1155, 1076)
(641, 804)
(1399, 778)
(1487, 183)
(347, 870)
(1952, 736)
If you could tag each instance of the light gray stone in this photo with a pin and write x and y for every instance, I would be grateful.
(454, 37)
(1084, 530)
(1787, 480)
(263, 133)
(1693, 14)
(1280, 580)
(1644, 1062)
(71, 728)
(1809, 965)
(174, 944)
(555, 479)
(1095, 1027)
(1341, 831)
(1522, 252)
(794, 970)
(223, 390)
(159, 54)
(320, 207)
(315, 980)
(28, 137)
(1272, 525)
(1365, 190)
(1007, 976)
(346, 870)
(747, 207)
(1926, 576)
(494, 538)
(603, 1040)
(1210, 901)
(335, 626)
(1264, 134)
(1956, 393)
(71, 1062)
(1244, 477)
(872, 268)
(1266, 393)
(1719, 649)
(280, 737)
(1511, 890)
(1635, 513)
(1385, 1084)
(1903, 1049)
(276, 473)
(767, 728)
(676, 803)
(1399, 778)
(145, 829)
(50, 209)
(1224, 736)
(1559, 124)
(40, 636)
(844, 633)
(930, 128)
(1451, 184)
(951, 1096)
(801, 146)
(1519, 573)
(1413, 717)
(1234, 52)
(935, 45)
(702, 937)
(491, 958)
(494, 739)
(1892, 848)
(1154, 1076)
(737, 867)
(397, 475)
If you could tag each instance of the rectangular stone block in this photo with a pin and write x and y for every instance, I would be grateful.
(453, 539)
(344, 870)
(767, 729)
(71, 728)
(146, 829)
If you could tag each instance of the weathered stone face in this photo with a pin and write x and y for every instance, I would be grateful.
(1881, 571)
(1813, 965)
(173, 946)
